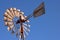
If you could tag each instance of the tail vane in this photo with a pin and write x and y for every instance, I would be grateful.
(40, 10)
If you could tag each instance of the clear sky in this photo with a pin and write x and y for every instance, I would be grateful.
(45, 27)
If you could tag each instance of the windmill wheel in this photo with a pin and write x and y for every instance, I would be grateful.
(10, 18)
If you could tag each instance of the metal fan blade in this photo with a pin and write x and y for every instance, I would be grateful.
(10, 23)
(19, 37)
(17, 13)
(6, 23)
(7, 19)
(8, 28)
(26, 25)
(24, 36)
(40, 10)
(9, 13)
(11, 26)
(13, 30)
(27, 29)
(25, 32)
(18, 33)
(27, 21)
(13, 11)
(7, 16)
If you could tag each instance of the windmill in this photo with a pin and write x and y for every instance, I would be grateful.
(17, 23)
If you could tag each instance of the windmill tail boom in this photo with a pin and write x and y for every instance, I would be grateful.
(40, 10)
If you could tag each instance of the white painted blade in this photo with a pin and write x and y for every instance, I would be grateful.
(24, 36)
(11, 26)
(8, 28)
(27, 21)
(22, 12)
(9, 12)
(10, 23)
(9, 19)
(27, 29)
(20, 37)
(5, 23)
(26, 25)
(18, 10)
(12, 12)
(25, 32)
(5, 18)
(17, 13)
(7, 15)
(14, 9)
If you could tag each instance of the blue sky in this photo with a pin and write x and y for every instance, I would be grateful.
(45, 27)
